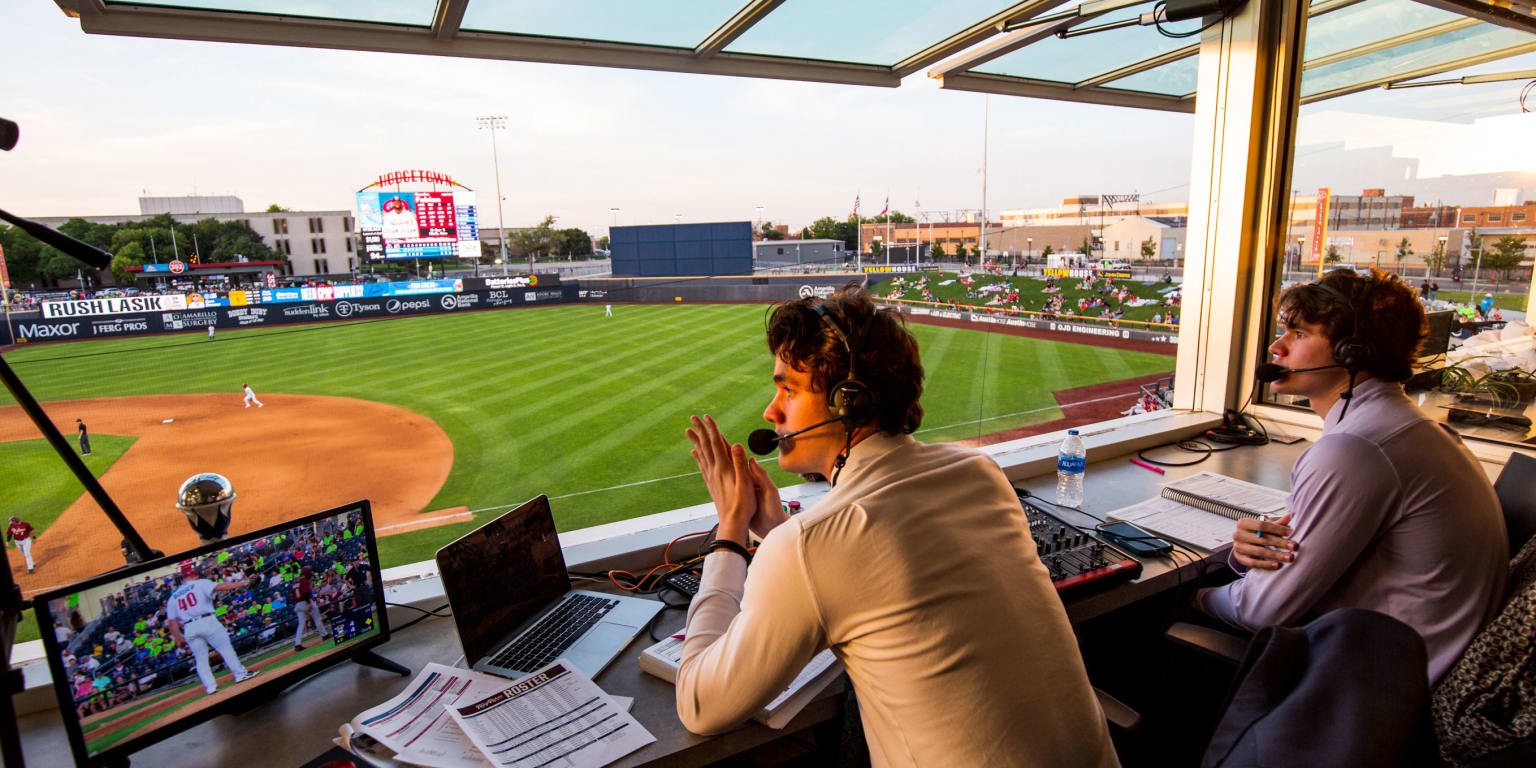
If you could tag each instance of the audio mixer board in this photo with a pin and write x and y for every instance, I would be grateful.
(1075, 557)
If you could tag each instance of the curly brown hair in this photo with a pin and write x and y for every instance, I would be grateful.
(886, 356)
(1381, 308)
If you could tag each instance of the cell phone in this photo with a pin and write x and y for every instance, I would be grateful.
(1135, 539)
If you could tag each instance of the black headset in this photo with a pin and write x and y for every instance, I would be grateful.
(1353, 351)
(850, 400)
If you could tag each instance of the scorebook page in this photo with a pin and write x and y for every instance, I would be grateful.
(555, 717)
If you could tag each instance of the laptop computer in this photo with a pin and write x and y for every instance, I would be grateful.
(513, 603)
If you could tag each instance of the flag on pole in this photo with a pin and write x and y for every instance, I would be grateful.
(855, 206)
(887, 208)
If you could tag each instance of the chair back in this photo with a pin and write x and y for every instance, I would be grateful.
(1516, 488)
(1346, 689)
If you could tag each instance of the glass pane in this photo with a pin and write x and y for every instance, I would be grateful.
(1440, 49)
(1176, 78)
(1422, 184)
(1079, 58)
(861, 31)
(416, 13)
(676, 23)
(1367, 22)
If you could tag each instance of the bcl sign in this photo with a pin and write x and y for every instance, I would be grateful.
(178, 266)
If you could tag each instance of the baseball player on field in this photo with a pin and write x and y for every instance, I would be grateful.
(250, 395)
(307, 607)
(189, 617)
(20, 532)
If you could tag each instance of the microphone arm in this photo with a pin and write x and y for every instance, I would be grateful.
(763, 441)
(90, 254)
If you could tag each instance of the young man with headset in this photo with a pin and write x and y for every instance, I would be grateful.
(917, 569)
(1388, 510)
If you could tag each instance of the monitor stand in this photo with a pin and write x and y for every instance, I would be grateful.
(371, 659)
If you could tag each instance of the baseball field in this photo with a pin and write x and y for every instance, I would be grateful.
(447, 420)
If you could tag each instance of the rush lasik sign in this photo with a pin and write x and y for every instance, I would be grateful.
(122, 305)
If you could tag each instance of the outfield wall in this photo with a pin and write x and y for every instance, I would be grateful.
(1041, 324)
(736, 290)
(35, 328)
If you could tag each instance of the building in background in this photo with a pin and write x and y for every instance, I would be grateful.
(191, 204)
(309, 242)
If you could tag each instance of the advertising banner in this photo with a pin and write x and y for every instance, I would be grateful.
(1320, 228)
(73, 327)
(1042, 324)
(5, 276)
(122, 305)
(499, 282)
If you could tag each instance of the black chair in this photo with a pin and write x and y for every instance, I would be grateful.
(1516, 488)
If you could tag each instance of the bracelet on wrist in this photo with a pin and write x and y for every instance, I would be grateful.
(730, 546)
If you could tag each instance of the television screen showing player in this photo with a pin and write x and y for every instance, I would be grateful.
(155, 648)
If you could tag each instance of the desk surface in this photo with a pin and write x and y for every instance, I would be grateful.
(300, 724)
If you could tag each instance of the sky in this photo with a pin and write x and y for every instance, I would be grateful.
(107, 119)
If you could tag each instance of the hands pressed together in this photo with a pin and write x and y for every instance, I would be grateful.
(1263, 543)
(745, 498)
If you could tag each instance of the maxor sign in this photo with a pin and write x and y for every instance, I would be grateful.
(123, 305)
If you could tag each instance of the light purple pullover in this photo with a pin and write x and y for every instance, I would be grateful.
(1391, 513)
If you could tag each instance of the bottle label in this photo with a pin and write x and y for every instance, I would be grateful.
(1072, 465)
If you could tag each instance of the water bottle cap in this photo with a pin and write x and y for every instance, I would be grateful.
(1071, 431)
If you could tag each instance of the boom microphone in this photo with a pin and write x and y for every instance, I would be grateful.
(1270, 373)
(763, 441)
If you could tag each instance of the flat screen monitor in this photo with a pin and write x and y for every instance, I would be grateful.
(1438, 339)
(147, 651)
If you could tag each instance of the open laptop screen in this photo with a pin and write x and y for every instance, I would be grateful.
(499, 575)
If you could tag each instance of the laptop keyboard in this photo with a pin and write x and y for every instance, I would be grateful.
(553, 634)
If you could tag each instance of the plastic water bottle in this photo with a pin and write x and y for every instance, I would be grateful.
(1070, 464)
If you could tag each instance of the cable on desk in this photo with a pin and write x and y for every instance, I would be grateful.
(650, 626)
(425, 614)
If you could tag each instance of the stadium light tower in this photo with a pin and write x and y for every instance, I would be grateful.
(494, 122)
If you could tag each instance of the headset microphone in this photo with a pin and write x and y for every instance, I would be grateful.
(1270, 373)
(763, 441)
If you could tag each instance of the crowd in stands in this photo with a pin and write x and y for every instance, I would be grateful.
(1107, 301)
(128, 651)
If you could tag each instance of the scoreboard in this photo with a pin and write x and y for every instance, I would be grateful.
(418, 225)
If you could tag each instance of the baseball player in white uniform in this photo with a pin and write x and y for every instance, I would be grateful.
(250, 396)
(189, 616)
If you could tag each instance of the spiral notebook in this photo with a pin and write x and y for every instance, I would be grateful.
(1199, 510)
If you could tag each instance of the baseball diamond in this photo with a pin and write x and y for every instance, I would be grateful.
(476, 411)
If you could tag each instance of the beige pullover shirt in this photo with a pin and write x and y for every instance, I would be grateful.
(919, 572)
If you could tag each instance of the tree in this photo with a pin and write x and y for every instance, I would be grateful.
(976, 252)
(937, 251)
(275, 208)
(1404, 250)
(876, 248)
(602, 243)
(573, 243)
(1086, 248)
(1505, 254)
(1047, 252)
(536, 240)
(130, 255)
(1333, 256)
(1436, 258)
(767, 232)
(1149, 248)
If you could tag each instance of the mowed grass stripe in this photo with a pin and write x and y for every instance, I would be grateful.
(562, 400)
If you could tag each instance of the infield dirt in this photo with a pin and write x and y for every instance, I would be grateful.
(296, 455)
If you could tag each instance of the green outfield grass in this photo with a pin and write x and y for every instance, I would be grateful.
(32, 464)
(563, 401)
(1504, 301)
(1030, 297)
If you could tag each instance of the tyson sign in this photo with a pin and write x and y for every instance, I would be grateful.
(124, 305)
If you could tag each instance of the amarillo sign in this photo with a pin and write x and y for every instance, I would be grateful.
(125, 305)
